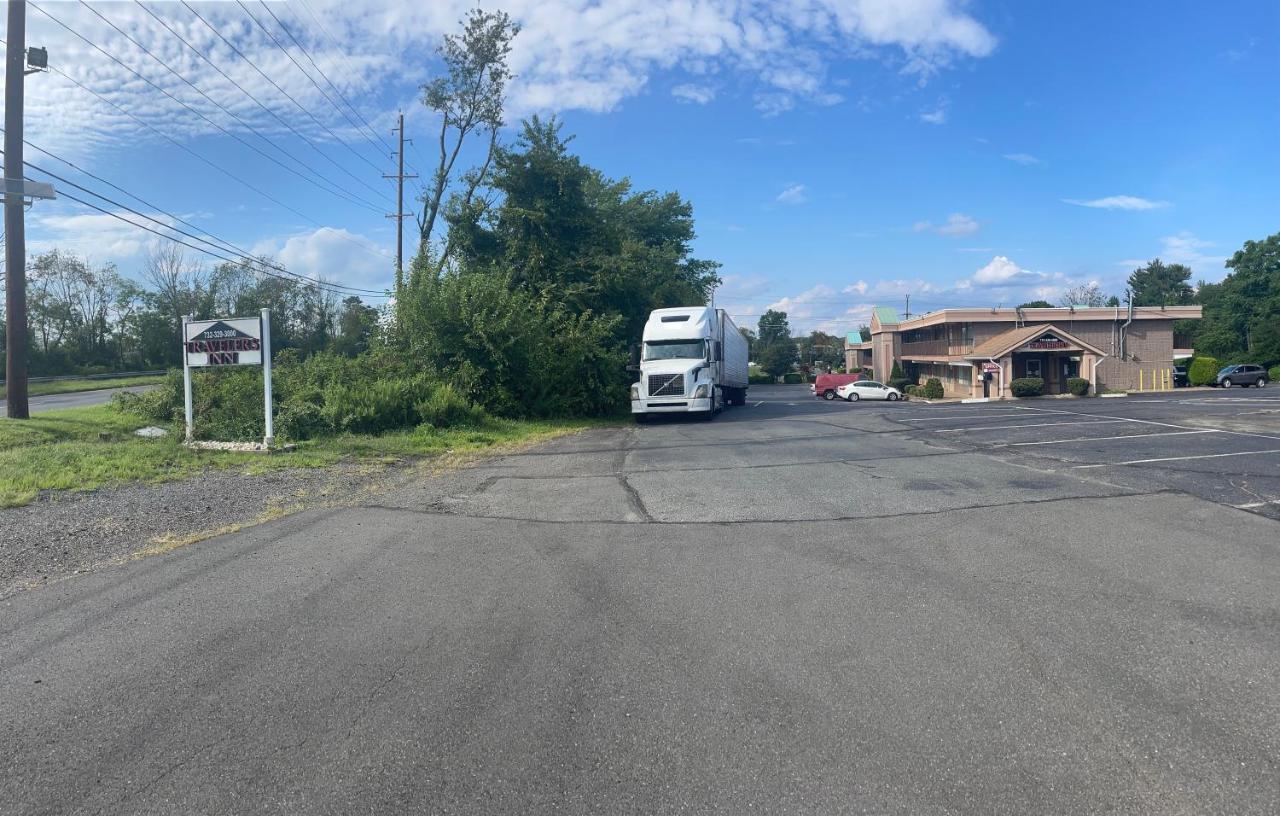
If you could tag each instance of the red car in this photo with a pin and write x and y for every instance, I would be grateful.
(825, 385)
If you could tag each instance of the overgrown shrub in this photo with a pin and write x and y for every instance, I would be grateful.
(1078, 386)
(793, 377)
(1274, 373)
(1027, 386)
(302, 420)
(446, 408)
(760, 379)
(162, 404)
(932, 389)
(912, 391)
(1203, 371)
(900, 383)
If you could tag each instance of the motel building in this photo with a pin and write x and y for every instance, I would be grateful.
(1115, 348)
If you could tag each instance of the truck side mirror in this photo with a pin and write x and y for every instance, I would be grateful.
(633, 363)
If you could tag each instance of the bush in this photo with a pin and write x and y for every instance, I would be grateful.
(900, 383)
(302, 420)
(375, 406)
(760, 379)
(1078, 386)
(793, 377)
(1274, 373)
(1203, 371)
(162, 405)
(912, 391)
(446, 408)
(1027, 386)
(932, 389)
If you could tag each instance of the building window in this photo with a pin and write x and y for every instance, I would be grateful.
(1033, 368)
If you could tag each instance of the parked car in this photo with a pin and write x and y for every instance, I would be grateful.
(1243, 375)
(1180, 379)
(826, 384)
(869, 390)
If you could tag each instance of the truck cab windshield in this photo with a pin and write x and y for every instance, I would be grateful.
(675, 350)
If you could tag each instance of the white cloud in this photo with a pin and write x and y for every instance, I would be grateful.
(793, 194)
(1022, 158)
(1003, 272)
(1119, 202)
(698, 94)
(97, 237)
(936, 116)
(957, 225)
(569, 55)
(332, 254)
(1186, 248)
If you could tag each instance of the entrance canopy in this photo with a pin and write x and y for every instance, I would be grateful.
(1035, 339)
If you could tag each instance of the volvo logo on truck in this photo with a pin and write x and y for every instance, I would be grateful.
(692, 360)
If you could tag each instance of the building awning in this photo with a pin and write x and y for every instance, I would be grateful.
(1045, 337)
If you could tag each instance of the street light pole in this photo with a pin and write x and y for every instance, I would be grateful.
(15, 280)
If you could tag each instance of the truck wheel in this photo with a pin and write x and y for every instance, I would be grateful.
(828, 395)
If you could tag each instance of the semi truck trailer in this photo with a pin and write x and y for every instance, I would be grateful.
(693, 360)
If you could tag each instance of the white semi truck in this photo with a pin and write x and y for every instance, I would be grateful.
(693, 360)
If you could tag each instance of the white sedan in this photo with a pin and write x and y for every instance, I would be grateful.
(868, 390)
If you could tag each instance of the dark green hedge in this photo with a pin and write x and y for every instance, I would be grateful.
(1203, 371)
(1078, 386)
(1027, 387)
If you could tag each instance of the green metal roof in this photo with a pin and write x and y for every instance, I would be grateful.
(853, 338)
(886, 314)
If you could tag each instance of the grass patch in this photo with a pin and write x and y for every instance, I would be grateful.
(86, 448)
(44, 389)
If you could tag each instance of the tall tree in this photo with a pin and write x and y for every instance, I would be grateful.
(469, 99)
(774, 328)
(1160, 284)
(1086, 294)
(1036, 304)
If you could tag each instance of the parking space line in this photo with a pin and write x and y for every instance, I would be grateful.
(961, 417)
(1174, 459)
(1024, 425)
(758, 404)
(1153, 422)
(1101, 438)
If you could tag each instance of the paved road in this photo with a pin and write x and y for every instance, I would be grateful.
(802, 607)
(77, 399)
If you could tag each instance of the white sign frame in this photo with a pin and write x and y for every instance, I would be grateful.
(232, 341)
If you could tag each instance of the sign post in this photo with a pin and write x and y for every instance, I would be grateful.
(270, 435)
(186, 380)
(231, 341)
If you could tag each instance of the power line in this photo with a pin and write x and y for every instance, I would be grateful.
(275, 84)
(334, 288)
(207, 161)
(285, 51)
(350, 68)
(255, 148)
(322, 74)
(226, 110)
(217, 243)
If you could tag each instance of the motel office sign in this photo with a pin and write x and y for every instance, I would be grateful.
(234, 341)
(230, 341)
(1046, 342)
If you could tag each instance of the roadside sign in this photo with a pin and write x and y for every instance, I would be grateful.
(230, 341)
(991, 368)
(233, 341)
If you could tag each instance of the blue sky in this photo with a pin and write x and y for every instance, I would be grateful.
(838, 153)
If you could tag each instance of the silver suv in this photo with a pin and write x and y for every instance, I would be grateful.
(1245, 375)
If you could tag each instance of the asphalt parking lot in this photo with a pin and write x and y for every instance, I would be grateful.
(802, 607)
(1220, 445)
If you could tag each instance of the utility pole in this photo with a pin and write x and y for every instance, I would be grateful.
(15, 249)
(906, 315)
(399, 215)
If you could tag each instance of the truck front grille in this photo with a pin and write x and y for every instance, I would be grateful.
(666, 385)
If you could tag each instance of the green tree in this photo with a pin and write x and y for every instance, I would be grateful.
(774, 328)
(864, 331)
(1113, 301)
(1037, 304)
(777, 358)
(1160, 284)
(1241, 313)
(468, 99)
